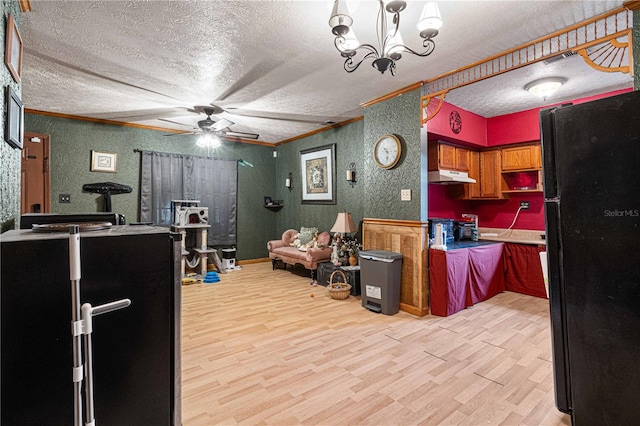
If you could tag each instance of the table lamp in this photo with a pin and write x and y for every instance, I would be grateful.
(344, 224)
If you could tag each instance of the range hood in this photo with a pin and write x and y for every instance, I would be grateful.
(449, 177)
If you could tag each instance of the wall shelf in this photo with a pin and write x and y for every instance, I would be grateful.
(522, 181)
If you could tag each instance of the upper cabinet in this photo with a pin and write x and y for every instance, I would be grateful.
(522, 168)
(522, 157)
(443, 156)
(490, 176)
(484, 167)
(498, 171)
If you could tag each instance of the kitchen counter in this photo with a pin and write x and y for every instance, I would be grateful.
(467, 244)
(517, 236)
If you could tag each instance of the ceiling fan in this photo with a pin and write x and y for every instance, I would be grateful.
(210, 127)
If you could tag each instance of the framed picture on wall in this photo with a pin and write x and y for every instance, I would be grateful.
(318, 171)
(103, 161)
(14, 127)
(13, 49)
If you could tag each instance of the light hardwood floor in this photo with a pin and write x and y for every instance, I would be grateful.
(258, 349)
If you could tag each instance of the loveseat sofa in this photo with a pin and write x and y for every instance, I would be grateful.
(291, 249)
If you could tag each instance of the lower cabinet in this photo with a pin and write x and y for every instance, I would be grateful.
(523, 271)
(463, 277)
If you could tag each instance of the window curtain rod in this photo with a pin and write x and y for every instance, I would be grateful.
(240, 161)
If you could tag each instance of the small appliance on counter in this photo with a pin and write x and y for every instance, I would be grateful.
(447, 229)
(472, 218)
(463, 230)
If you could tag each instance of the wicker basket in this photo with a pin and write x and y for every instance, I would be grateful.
(339, 290)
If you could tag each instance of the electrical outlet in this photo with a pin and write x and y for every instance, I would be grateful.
(405, 195)
(524, 205)
(64, 198)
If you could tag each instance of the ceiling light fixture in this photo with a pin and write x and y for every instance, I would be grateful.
(390, 44)
(545, 86)
(209, 139)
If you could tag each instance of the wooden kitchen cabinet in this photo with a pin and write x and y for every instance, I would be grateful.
(484, 167)
(448, 157)
(522, 157)
(522, 168)
(490, 175)
(469, 191)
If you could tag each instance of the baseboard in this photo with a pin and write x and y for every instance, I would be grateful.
(249, 261)
(413, 310)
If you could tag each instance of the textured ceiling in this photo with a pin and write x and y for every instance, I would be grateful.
(142, 61)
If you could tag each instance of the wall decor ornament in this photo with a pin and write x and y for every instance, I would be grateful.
(455, 122)
(318, 171)
(103, 161)
(14, 127)
(13, 49)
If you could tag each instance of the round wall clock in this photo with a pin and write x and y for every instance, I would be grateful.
(387, 151)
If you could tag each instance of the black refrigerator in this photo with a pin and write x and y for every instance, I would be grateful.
(136, 350)
(591, 164)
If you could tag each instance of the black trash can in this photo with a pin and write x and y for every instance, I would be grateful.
(380, 274)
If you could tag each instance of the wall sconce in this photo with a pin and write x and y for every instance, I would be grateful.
(288, 182)
(351, 174)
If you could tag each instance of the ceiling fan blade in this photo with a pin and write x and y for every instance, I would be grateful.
(279, 116)
(182, 134)
(221, 124)
(242, 135)
(142, 114)
(175, 122)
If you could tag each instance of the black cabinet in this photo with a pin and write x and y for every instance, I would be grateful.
(325, 269)
(136, 350)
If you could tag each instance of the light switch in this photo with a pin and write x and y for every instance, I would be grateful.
(405, 195)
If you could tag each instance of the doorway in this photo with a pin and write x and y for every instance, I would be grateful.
(35, 192)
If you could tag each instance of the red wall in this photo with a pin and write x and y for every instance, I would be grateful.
(500, 213)
(440, 205)
(507, 129)
(524, 126)
(473, 132)
(491, 213)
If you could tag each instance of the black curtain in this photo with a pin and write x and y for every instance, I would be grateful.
(165, 177)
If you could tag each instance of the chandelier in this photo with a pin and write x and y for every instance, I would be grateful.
(390, 44)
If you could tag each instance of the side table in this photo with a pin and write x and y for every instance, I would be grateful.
(325, 269)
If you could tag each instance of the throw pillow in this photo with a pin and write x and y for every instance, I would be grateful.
(306, 234)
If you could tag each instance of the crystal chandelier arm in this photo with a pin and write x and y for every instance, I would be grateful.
(429, 44)
(350, 65)
(352, 52)
(390, 36)
(381, 29)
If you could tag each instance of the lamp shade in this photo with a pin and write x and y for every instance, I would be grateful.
(344, 224)
(430, 17)
(340, 20)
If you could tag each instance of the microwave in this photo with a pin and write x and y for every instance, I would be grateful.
(463, 230)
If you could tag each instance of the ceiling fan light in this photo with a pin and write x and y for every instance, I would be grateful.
(545, 87)
(208, 140)
(340, 20)
(430, 19)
